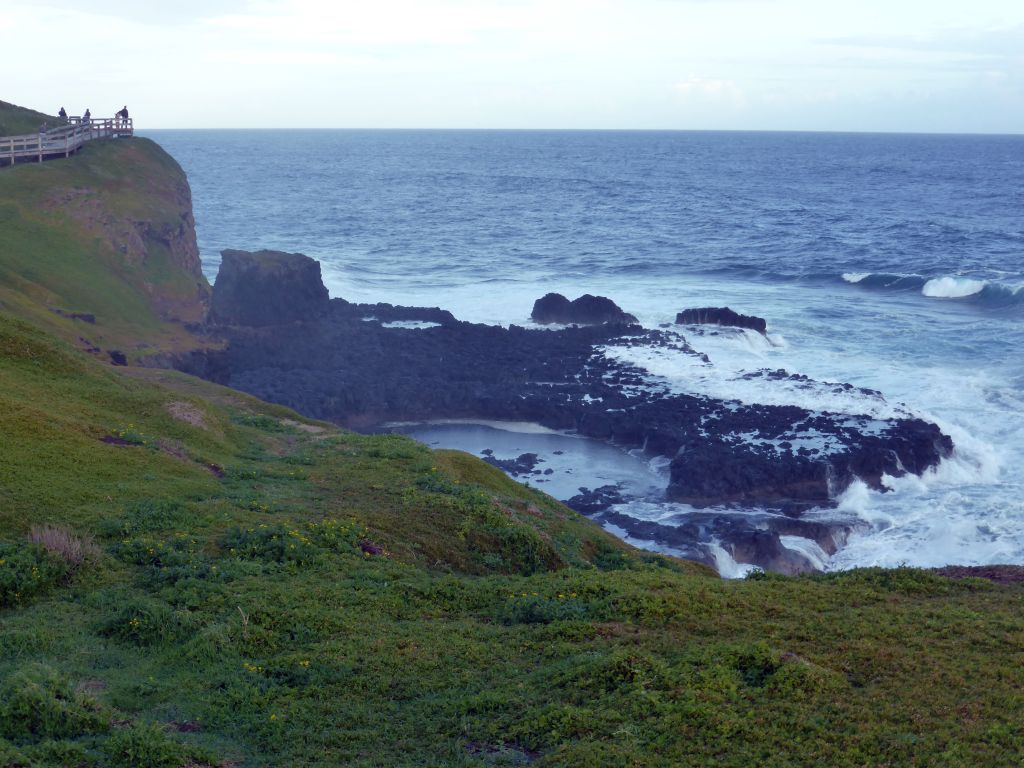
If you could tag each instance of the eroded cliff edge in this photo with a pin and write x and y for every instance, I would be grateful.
(100, 249)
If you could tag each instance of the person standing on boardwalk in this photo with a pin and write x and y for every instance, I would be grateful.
(63, 115)
(123, 115)
(86, 116)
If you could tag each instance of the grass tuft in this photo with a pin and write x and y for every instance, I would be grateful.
(59, 541)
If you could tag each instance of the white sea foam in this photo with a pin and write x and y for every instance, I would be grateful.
(808, 548)
(519, 427)
(736, 372)
(727, 565)
(924, 359)
(935, 529)
(855, 277)
(414, 325)
(952, 287)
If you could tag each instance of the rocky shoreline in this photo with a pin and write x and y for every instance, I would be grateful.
(364, 365)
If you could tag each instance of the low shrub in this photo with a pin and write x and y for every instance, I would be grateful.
(144, 746)
(37, 702)
(145, 516)
(295, 544)
(609, 558)
(60, 752)
(901, 580)
(621, 669)
(512, 548)
(152, 551)
(26, 571)
(799, 679)
(540, 609)
(145, 622)
(755, 663)
(10, 757)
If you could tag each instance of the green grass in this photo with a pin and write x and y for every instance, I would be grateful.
(272, 590)
(17, 121)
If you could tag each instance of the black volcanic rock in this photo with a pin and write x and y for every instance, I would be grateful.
(267, 288)
(751, 539)
(551, 308)
(586, 310)
(721, 316)
(523, 464)
(591, 501)
(334, 365)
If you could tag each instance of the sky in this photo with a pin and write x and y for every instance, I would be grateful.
(933, 66)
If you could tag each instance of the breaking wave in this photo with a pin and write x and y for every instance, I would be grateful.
(978, 291)
(952, 287)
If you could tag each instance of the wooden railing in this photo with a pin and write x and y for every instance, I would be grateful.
(62, 140)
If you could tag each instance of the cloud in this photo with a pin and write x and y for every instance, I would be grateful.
(986, 43)
(711, 89)
(176, 13)
(381, 23)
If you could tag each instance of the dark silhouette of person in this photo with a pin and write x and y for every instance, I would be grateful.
(62, 115)
(86, 116)
(123, 114)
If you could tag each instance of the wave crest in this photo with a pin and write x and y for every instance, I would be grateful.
(987, 293)
(952, 287)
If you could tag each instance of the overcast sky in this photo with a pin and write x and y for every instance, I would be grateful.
(857, 65)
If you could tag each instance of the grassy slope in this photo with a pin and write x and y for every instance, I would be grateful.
(273, 591)
(17, 121)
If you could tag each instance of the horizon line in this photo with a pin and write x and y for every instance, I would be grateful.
(834, 131)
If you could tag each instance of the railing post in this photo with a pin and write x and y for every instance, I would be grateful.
(74, 132)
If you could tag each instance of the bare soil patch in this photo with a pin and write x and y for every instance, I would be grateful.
(187, 412)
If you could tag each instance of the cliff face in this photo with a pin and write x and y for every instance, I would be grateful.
(108, 233)
(160, 254)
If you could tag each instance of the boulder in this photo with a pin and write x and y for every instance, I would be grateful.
(267, 288)
(586, 310)
(721, 316)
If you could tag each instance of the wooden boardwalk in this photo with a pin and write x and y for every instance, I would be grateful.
(61, 141)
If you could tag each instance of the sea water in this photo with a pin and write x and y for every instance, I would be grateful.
(891, 262)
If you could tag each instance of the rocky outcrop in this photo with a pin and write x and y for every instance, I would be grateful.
(357, 373)
(331, 362)
(267, 288)
(773, 472)
(586, 310)
(522, 465)
(721, 316)
(748, 539)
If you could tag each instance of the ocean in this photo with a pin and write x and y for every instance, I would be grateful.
(892, 262)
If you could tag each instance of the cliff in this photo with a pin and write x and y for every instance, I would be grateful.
(107, 261)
